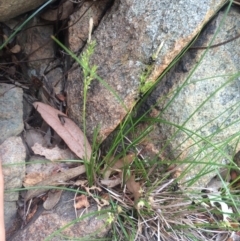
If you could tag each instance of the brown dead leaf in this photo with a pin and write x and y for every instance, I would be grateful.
(124, 161)
(105, 196)
(118, 165)
(94, 188)
(81, 201)
(134, 187)
(32, 212)
(61, 97)
(66, 129)
(100, 202)
(40, 168)
(52, 199)
(80, 183)
(56, 179)
(105, 199)
(15, 49)
(104, 202)
(52, 154)
(33, 178)
(111, 182)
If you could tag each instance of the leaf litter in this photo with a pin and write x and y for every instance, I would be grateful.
(54, 180)
(75, 140)
(114, 174)
(52, 154)
(79, 145)
(119, 166)
(81, 201)
(66, 129)
(52, 199)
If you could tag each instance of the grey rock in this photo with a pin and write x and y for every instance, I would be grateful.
(47, 222)
(11, 113)
(12, 8)
(202, 104)
(127, 37)
(12, 151)
(78, 30)
(10, 211)
(37, 35)
(45, 74)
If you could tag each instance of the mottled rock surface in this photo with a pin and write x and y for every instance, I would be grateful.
(12, 8)
(79, 22)
(48, 222)
(10, 212)
(127, 37)
(11, 113)
(36, 43)
(12, 151)
(202, 104)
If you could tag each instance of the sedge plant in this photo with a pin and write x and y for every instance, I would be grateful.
(164, 211)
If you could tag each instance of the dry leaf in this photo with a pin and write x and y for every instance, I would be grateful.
(105, 196)
(104, 202)
(33, 178)
(52, 154)
(66, 129)
(105, 199)
(40, 166)
(61, 97)
(81, 201)
(118, 165)
(56, 179)
(52, 199)
(134, 187)
(37, 172)
(15, 49)
(32, 212)
(100, 202)
(88, 189)
(80, 183)
(111, 182)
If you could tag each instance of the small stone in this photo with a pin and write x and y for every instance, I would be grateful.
(12, 151)
(12, 8)
(93, 227)
(11, 111)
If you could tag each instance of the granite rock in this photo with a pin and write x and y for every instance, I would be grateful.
(128, 35)
(11, 111)
(47, 222)
(198, 108)
(12, 8)
(12, 151)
